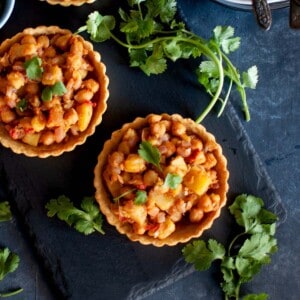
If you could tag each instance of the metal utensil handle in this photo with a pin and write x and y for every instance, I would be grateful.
(295, 13)
(263, 13)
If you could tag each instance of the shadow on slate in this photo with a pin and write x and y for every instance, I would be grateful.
(110, 266)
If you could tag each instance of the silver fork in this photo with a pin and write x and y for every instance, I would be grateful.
(263, 13)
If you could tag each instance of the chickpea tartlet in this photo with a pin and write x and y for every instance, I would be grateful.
(161, 180)
(53, 91)
(69, 2)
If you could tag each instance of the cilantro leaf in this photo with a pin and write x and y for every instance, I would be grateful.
(250, 78)
(5, 213)
(202, 255)
(22, 105)
(224, 38)
(57, 89)
(141, 197)
(249, 213)
(86, 220)
(9, 262)
(33, 68)
(98, 26)
(172, 180)
(149, 153)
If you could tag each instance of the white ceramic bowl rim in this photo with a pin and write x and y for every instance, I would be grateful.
(6, 11)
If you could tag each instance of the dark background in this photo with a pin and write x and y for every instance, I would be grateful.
(57, 262)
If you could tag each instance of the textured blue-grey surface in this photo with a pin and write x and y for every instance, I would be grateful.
(57, 262)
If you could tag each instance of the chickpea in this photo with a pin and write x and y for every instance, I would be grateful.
(205, 203)
(38, 122)
(7, 115)
(62, 41)
(28, 39)
(70, 117)
(167, 149)
(76, 46)
(16, 79)
(43, 42)
(210, 161)
(32, 88)
(195, 215)
(55, 117)
(17, 51)
(116, 159)
(178, 128)
(84, 95)
(150, 177)
(91, 84)
(51, 75)
(50, 52)
(134, 164)
(157, 129)
(47, 138)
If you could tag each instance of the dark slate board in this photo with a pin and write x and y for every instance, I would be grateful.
(110, 266)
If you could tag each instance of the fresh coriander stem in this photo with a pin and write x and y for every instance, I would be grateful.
(236, 79)
(205, 50)
(234, 240)
(225, 99)
(12, 293)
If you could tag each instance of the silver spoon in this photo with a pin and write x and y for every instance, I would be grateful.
(263, 13)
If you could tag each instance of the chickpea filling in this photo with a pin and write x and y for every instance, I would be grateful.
(143, 194)
(47, 88)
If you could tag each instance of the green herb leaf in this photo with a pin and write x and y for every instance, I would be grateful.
(57, 89)
(224, 38)
(261, 296)
(5, 213)
(22, 105)
(250, 78)
(140, 197)
(149, 153)
(86, 220)
(201, 255)
(98, 26)
(47, 94)
(9, 262)
(33, 68)
(172, 180)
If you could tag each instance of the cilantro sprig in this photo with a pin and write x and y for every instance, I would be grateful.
(5, 212)
(9, 261)
(152, 36)
(86, 220)
(248, 251)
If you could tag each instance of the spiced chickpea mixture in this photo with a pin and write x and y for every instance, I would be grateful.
(182, 187)
(46, 88)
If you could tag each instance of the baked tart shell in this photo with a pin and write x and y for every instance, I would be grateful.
(185, 230)
(69, 2)
(100, 99)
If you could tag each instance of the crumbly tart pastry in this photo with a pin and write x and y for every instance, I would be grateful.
(53, 91)
(162, 203)
(69, 2)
